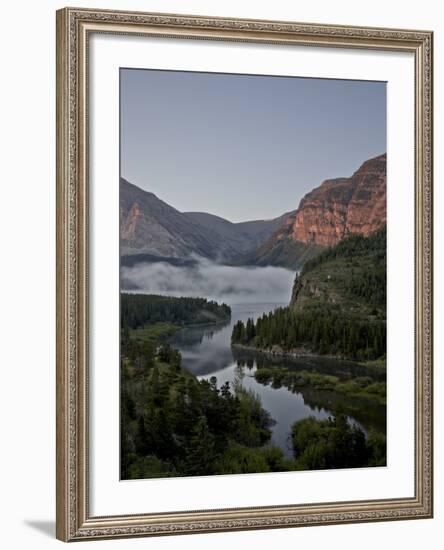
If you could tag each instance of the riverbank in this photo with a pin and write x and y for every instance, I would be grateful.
(277, 351)
(162, 331)
(303, 353)
(296, 380)
(174, 424)
(155, 332)
(168, 366)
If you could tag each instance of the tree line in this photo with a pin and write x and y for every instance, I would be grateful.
(335, 443)
(353, 246)
(351, 326)
(137, 310)
(322, 329)
(172, 424)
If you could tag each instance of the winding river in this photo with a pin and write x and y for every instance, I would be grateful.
(207, 351)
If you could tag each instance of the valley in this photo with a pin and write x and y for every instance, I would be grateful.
(255, 346)
(152, 230)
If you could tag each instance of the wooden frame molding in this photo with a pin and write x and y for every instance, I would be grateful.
(73, 519)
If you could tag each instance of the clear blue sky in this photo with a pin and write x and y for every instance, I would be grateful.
(240, 146)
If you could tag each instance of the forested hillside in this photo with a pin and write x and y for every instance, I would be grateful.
(338, 305)
(138, 310)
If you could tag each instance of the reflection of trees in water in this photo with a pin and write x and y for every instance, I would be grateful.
(238, 380)
(323, 365)
(201, 364)
(196, 335)
(202, 360)
(249, 363)
(365, 411)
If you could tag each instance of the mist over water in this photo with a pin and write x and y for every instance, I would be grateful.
(206, 279)
(206, 350)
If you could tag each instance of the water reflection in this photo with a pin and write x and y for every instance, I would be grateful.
(207, 352)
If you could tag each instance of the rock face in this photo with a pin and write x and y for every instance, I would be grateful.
(337, 208)
(243, 237)
(340, 207)
(152, 230)
(150, 226)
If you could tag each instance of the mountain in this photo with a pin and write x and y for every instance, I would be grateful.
(343, 206)
(152, 230)
(337, 208)
(281, 251)
(242, 236)
(150, 226)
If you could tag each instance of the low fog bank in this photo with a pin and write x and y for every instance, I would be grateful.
(223, 283)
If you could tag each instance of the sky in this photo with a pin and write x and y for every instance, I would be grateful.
(244, 147)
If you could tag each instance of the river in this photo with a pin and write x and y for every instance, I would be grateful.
(206, 352)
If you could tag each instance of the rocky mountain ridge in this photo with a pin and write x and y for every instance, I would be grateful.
(329, 213)
(150, 230)
(342, 206)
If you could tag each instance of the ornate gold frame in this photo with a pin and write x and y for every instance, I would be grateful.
(73, 519)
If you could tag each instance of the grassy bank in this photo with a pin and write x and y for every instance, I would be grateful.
(295, 380)
(154, 333)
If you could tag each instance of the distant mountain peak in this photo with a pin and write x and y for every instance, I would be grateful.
(342, 206)
(336, 208)
(151, 228)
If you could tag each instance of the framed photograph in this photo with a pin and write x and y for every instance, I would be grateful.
(244, 274)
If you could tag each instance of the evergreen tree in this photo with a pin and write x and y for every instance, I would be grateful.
(200, 454)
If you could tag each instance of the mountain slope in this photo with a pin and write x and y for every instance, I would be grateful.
(242, 236)
(338, 306)
(337, 208)
(343, 206)
(150, 230)
(350, 276)
(283, 252)
(150, 226)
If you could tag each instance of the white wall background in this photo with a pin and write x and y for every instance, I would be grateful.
(27, 113)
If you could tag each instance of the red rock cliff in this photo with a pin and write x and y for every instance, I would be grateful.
(341, 206)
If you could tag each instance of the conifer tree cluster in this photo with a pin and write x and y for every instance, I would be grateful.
(175, 425)
(322, 330)
(136, 310)
(351, 325)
